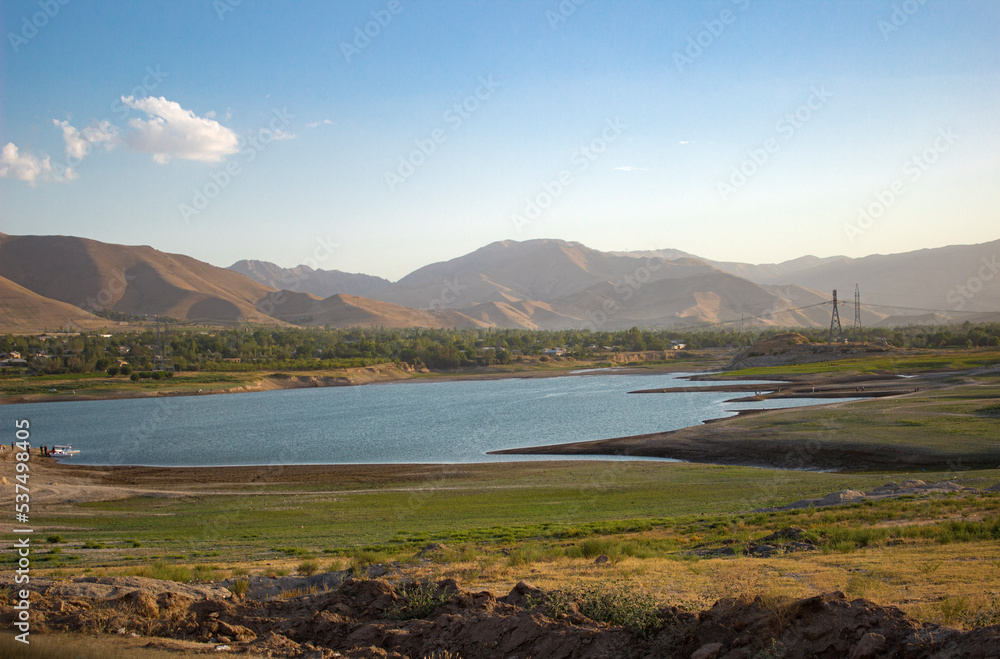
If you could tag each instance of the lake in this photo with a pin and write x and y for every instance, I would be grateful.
(404, 422)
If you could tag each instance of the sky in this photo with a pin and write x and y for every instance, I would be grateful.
(381, 136)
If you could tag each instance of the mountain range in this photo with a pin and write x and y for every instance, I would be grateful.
(48, 282)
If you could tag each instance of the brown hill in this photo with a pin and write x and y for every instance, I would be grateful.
(23, 311)
(97, 276)
(706, 298)
(512, 271)
(302, 278)
(353, 311)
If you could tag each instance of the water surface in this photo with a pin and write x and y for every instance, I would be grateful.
(406, 422)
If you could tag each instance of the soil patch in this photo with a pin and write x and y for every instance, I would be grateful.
(373, 618)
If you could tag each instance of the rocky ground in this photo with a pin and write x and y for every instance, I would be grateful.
(373, 618)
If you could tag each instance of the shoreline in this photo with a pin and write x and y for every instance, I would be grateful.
(380, 374)
(753, 439)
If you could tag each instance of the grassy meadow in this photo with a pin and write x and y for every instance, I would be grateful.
(660, 524)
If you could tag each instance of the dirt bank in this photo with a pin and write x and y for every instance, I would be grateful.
(378, 374)
(373, 618)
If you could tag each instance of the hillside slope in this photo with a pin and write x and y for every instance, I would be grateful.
(23, 311)
(96, 276)
(303, 279)
(353, 311)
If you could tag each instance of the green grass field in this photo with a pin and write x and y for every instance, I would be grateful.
(510, 505)
(900, 363)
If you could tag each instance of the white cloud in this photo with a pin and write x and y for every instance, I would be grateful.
(78, 143)
(172, 131)
(282, 135)
(210, 114)
(29, 167)
(630, 168)
(325, 122)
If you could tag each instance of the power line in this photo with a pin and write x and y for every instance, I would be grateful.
(857, 312)
(899, 306)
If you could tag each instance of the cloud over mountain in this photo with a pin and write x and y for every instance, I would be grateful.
(173, 132)
(28, 167)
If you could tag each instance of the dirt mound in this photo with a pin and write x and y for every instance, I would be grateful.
(373, 618)
(887, 491)
(794, 348)
(785, 541)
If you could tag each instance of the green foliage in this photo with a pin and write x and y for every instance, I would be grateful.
(256, 349)
(162, 570)
(985, 614)
(239, 587)
(418, 600)
(308, 568)
(614, 603)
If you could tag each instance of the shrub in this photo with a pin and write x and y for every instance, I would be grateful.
(616, 604)
(53, 539)
(418, 600)
(308, 568)
(239, 587)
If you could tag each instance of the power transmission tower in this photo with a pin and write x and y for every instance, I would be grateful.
(166, 358)
(158, 355)
(835, 320)
(857, 312)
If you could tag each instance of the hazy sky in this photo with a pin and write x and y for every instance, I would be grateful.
(405, 132)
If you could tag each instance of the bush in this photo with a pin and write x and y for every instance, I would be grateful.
(125, 369)
(113, 371)
(417, 601)
(134, 377)
(308, 568)
(239, 587)
(616, 604)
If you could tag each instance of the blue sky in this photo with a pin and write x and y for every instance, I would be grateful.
(736, 130)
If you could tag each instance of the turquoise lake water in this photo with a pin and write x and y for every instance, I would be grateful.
(405, 422)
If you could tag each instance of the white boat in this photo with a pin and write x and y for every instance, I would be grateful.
(63, 450)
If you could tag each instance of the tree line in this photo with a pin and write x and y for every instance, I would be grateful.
(250, 348)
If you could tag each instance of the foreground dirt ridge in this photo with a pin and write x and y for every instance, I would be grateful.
(373, 618)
